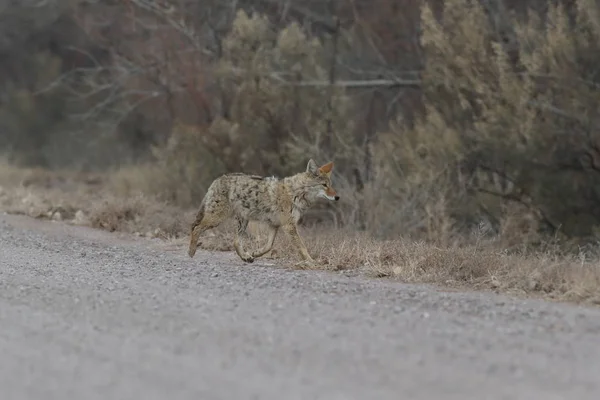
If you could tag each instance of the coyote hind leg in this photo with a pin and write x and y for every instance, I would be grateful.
(242, 233)
(269, 245)
(204, 221)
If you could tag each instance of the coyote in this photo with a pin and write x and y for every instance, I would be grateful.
(277, 202)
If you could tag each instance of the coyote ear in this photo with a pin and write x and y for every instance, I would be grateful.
(326, 169)
(312, 167)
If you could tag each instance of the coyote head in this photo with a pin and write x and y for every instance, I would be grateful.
(318, 184)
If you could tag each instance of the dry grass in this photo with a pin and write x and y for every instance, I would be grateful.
(482, 266)
(87, 200)
(484, 263)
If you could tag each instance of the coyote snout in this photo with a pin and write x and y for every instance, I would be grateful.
(277, 202)
(329, 194)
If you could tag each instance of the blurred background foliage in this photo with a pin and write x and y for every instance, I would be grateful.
(441, 116)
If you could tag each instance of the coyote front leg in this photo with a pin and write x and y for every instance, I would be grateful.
(242, 233)
(292, 231)
(269, 245)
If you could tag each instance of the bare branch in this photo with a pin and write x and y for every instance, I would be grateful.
(389, 83)
(525, 201)
(168, 12)
(290, 8)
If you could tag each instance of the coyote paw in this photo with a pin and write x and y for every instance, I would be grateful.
(192, 249)
(249, 259)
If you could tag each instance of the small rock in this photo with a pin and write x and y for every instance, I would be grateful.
(495, 283)
(533, 282)
(57, 216)
(34, 212)
(80, 218)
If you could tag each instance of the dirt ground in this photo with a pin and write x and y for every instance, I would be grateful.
(91, 314)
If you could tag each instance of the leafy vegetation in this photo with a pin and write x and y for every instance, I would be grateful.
(448, 121)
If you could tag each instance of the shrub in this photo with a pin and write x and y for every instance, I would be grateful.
(509, 120)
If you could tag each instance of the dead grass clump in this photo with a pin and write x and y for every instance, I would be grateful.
(343, 250)
(564, 277)
(45, 204)
(139, 214)
(410, 261)
(482, 266)
(560, 277)
(112, 214)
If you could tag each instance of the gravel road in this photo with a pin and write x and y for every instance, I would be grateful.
(86, 314)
